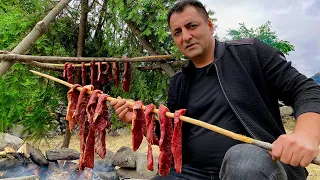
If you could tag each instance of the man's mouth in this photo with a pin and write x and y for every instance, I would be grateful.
(189, 45)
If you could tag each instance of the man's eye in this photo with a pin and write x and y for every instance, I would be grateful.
(193, 25)
(177, 33)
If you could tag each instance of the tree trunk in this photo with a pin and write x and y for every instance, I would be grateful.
(40, 28)
(145, 43)
(80, 51)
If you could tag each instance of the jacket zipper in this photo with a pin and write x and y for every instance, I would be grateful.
(245, 126)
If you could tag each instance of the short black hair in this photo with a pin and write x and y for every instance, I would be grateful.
(181, 6)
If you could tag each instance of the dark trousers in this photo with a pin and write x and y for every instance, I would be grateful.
(241, 162)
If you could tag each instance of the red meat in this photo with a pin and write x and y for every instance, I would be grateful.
(177, 140)
(101, 122)
(126, 77)
(83, 73)
(151, 137)
(91, 107)
(93, 75)
(80, 116)
(116, 72)
(138, 125)
(72, 96)
(165, 157)
(109, 71)
(101, 76)
(70, 70)
(64, 75)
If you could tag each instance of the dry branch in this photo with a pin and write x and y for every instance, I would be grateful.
(40, 28)
(57, 59)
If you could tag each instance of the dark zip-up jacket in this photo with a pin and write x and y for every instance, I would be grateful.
(253, 77)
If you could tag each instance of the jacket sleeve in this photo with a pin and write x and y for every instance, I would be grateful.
(292, 87)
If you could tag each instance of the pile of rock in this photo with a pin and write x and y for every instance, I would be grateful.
(17, 156)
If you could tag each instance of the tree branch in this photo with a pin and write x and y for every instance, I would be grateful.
(40, 28)
(57, 59)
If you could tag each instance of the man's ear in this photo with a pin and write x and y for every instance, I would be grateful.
(210, 25)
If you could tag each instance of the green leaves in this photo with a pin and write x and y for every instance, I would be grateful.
(264, 34)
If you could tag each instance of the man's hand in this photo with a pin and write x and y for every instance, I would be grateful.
(122, 109)
(300, 147)
(296, 149)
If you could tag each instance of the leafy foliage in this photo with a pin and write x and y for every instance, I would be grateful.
(264, 34)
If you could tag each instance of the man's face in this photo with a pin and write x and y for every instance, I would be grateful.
(192, 33)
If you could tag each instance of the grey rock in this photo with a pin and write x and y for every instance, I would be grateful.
(36, 156)
(126, 173)
(142, 163)
(7, 140)
(6, 163)
(105, 164)
(108, 175)
(286, 111)
(17, 130)
(62, 154)
(124, 157)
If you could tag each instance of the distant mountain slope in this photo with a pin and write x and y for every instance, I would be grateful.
(316, 77)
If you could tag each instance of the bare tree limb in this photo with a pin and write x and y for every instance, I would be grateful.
(146, 44)
(57, 59)
(40, 28)
(45, 66)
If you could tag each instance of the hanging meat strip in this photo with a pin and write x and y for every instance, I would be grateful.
(89, 146)
(101, 122)
(126, 77)
(109, 71)
(80, 116)
(93, 75)
(151, 136)
(165, 157)
(70, 70)
(83, 73)
(176, 143)
(64, 74)
(116, 72)
(72, 96)
(138, 125)
(101, 74)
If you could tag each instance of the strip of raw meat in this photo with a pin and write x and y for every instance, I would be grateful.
(126, 77)
(70, 70)
(177, 140)
(138, 125)
(80, 116)
(64, 74)
(90, 140)
(165, 157)
(101, 74)
(116, 72)
(109, 71)
(150, 132)
(101, 122)
(91, 107)
(72, 96)
(93, 75)
(83, 73)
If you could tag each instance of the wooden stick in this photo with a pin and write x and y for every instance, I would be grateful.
(49, 59)
(211, 127)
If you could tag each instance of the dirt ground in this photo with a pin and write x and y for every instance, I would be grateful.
(124, 139)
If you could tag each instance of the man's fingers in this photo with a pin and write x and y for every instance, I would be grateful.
(122, 113)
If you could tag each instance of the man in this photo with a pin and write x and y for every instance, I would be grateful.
(236, 85)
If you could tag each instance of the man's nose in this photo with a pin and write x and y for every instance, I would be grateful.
(186, 35)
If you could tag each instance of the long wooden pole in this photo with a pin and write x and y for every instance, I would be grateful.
(49, 59)
(211, 127)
